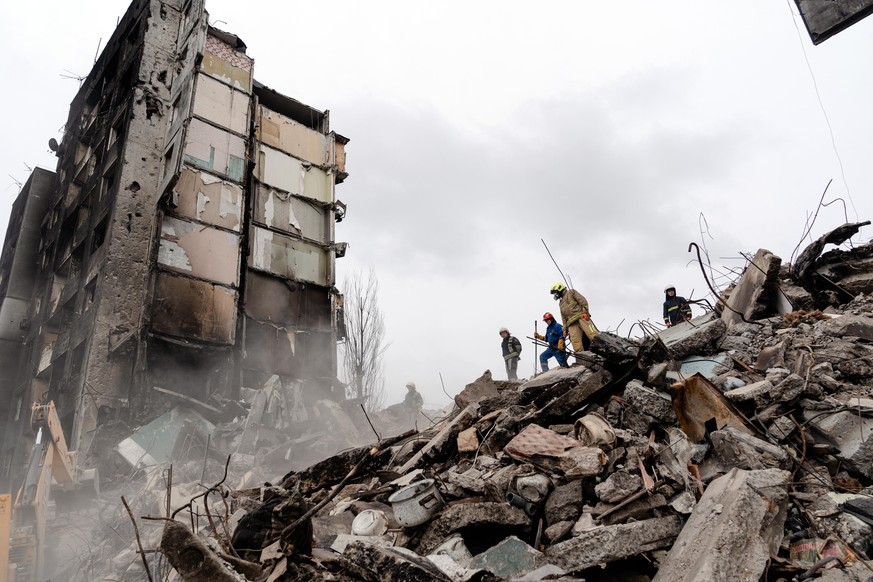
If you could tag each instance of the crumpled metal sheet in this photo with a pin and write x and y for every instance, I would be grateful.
(698, 403)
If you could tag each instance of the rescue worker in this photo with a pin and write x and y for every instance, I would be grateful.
(511, 353)
(575, 316)
(555, 338)
(676, 309)
(413, 403)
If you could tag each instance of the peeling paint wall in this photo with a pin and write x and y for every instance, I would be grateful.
(224, 106)
(283, 133)
(199, 251)
(281, 211)
(288, 257)
(289, 174)
(211, 148)
(209, 199)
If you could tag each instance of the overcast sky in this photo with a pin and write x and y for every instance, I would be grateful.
(478, 128)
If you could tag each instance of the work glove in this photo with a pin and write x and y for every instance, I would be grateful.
(586, 317)
(539, 336)
(560, 345)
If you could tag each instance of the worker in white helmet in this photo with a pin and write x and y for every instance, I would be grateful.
(511, 353)
(676, 309)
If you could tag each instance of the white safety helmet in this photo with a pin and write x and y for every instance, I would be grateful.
(668, 287)
(502, 329)
(410, 384)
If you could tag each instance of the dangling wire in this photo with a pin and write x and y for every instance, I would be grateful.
(556, 264)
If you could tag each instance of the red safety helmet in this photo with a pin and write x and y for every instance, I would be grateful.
(547, 316)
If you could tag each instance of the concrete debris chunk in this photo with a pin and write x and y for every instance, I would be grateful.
(732, 532)
(755, 294)
(468, 440)
(735, 448)
(614, 542)
(850, 431)
(848, 325)
(508, 559)
(757, 391)
(486, 518)
(701, 335)
(392, 564)
(617, 486)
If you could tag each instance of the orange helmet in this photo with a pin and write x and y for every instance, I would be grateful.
(547, 316)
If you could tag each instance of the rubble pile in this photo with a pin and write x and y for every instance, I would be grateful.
(735, 446)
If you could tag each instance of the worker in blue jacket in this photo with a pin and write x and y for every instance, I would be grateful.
(555, 338)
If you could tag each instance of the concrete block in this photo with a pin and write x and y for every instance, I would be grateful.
(844, 430)
(757, 392)
(701, 335)
(468, 440)
(470, 517)
(480, 389)
(547, 572)
(754, 295)
(471, 479)
(732, 532)
(848, 325)
(615, 349)
(573, 398)
(657, 374)
(508, 559)
(642, 508)
(781, 428)
(581, 462)
(557, 531)
(392, 564)
(735, 448)
(618, 486)
(614, 542)
(564, 503)
(771, 357)
(647, 406)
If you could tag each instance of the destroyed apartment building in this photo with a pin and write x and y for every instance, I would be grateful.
(181, 256)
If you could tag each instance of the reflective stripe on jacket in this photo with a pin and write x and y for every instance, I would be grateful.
(511, 347)
(676, 310)
(572, 305)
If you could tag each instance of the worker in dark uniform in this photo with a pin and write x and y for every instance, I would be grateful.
(676, 309)
(555, 338)
(511, 353)
(412, 403)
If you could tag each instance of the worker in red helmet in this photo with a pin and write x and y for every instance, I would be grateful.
(555, 338)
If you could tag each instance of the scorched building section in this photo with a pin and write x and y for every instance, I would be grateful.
(185, 253)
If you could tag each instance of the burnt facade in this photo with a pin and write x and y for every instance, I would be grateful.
(185, 246)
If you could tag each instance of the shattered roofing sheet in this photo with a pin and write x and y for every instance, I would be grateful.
(536, 440)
